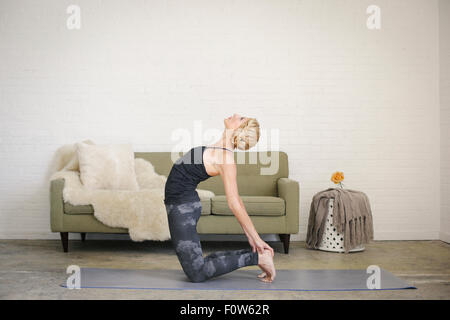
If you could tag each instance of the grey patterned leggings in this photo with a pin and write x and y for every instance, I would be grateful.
(183, 220)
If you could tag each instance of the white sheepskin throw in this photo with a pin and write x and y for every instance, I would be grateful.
(142, 212)
(109, 166)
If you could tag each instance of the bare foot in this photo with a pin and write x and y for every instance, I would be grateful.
(265, 262)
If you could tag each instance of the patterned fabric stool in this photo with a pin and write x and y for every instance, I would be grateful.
(331, 239)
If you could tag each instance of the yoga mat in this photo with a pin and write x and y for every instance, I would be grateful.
(286, 279)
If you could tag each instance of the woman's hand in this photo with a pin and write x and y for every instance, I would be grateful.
(260, 245)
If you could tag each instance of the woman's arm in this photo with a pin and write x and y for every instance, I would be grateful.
(228, 173)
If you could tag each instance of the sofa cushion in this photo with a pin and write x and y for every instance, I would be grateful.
(89, 209)
(254, 205)
(206, 207)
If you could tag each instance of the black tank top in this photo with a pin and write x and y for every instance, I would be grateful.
(186, 173)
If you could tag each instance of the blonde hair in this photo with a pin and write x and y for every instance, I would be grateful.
(247, 135)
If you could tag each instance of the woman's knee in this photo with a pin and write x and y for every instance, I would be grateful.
(194, 269)
(201, 271)
(196, 277)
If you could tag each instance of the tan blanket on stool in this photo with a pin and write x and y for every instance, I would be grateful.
(352, 217)
(142, 212)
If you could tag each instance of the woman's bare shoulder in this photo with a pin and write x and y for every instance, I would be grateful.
(225, 158)
(217, 160)
(222, 162)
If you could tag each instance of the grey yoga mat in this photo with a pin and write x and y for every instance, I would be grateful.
(286, 279)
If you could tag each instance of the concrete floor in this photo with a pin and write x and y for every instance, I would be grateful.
(34, 269)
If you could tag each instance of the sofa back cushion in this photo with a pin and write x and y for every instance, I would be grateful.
(257, 171)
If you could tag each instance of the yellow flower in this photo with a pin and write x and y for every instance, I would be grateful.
(337, 177)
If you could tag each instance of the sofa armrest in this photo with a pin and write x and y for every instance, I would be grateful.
(56, 205)
(288, 190)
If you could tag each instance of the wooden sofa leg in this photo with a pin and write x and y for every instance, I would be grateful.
(83, 236)
(65, 240)
(285, 239)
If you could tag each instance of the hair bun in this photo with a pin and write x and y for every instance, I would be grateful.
(247, 135)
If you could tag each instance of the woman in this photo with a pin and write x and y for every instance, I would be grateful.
(184, 207)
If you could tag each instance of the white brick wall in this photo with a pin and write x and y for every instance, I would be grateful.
(444, 60)
(365, 102)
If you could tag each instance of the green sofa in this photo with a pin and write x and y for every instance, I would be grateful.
(270, 198)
